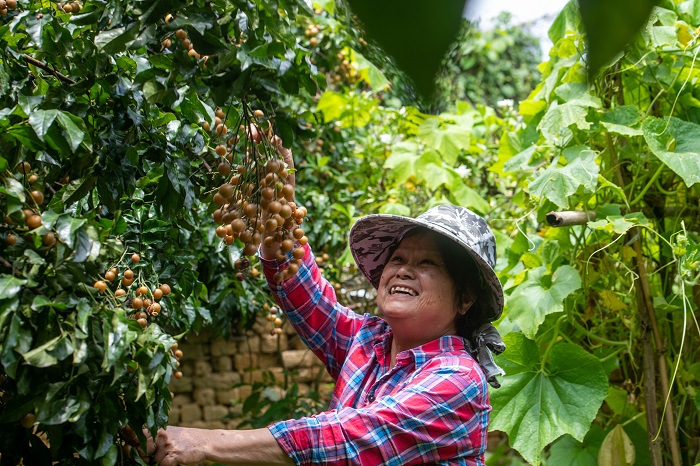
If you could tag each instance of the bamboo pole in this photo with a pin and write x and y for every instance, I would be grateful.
(646, 308)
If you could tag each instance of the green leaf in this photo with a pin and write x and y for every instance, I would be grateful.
(370, 73)
(77, 189)
(401, 161)
(14, 189)
(25, 135)
(536, 405)
(67, 228)
(110, 457)
(677, 144)
(610, 26)
(414, 32)
(42, 301)
(75, 130)
(567, 20)
(428, 168)
(621, 120)
(116, 40)
(117, 339)
(556, 121)
(41, 120)
(464, 195)
(569, 451)
(617, 449)
(558, 184)
(394, 208)
(448, 139)
(10, 286)
(40, 356)
(539, 295)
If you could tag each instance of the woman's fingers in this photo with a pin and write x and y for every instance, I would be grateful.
(286, 154)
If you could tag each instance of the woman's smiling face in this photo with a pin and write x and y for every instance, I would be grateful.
(416, 295)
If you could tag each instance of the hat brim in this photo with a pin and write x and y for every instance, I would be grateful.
(374, 238)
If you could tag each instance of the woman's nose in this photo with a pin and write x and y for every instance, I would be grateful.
(405, 270)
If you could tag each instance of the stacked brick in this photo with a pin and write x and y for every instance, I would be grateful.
(219, 373)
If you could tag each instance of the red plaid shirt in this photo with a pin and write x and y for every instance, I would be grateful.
(431, 407)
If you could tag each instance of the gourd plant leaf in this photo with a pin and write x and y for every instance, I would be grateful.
(541, 294)
(415, 33)
(617, 449)
(610, 26)
(677, 144)
(573, 111)
(401, 161)
(567, 450)
(558, 184)
(538, 403)
(623, 120)
(445, 137)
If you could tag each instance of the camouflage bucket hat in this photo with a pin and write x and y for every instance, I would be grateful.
(375, 237)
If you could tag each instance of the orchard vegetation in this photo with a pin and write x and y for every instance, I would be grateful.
(139, 139)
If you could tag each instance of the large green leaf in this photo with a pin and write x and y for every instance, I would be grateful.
(415, 33)
(541, 294)
(558, 183)
(610, 26)
(677, 144)
(538, 403)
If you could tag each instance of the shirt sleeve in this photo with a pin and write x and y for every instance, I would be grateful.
(441, 414)
(310, 303)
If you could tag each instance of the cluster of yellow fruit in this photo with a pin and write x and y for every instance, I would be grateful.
(181, 35)
(256, 203)
(32, 213)
(70, 7)
(142, 299)
(7, 5)
(177, 353)
(345, 70)
(312, 33)
(274, 316)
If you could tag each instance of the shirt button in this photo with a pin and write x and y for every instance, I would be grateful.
(370, 398)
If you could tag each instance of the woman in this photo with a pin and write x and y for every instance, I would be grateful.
(408, 387)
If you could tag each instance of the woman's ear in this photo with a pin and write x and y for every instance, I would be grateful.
(470, 299)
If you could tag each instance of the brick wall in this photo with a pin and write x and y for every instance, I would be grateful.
(205, 396)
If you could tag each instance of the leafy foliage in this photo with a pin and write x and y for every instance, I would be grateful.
(490, 66)
(103, 112)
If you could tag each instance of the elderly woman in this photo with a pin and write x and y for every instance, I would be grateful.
(411, 385)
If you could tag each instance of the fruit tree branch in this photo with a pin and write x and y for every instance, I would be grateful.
(47, 68)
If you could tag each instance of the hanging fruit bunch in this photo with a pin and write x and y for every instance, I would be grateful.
(255, 198)
(7, 5)
(275, 317)
(25, 188)
(143, 299)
